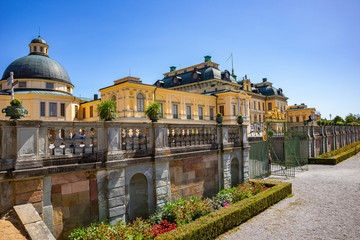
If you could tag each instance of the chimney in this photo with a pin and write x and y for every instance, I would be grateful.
(172, 68)
(96, 97)
(207, 58)
(264, 79)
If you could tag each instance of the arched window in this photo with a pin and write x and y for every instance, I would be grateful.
(140, 102)
(113, 98)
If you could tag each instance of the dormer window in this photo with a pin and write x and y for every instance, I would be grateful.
(176, 80)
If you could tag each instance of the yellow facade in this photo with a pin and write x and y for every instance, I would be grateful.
(301, 113)
(196, 100)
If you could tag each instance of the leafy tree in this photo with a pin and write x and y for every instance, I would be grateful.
(338, 119)
(107, 110)
(349, 119)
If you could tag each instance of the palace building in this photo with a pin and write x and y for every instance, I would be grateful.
(188, 95)
(44, 87)
(300, 113)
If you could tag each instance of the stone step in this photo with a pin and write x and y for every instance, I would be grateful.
(32, 222)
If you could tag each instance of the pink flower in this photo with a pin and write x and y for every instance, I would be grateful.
(226, 204)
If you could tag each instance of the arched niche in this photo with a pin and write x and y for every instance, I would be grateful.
(138, 197)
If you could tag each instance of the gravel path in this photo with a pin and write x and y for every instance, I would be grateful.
(325, 205)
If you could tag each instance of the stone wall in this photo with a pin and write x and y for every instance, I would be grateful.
(194, 177)
(75, 173)
(74, 201)
(324, 139)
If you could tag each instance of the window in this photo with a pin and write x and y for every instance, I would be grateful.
(233, 110)
(41, 49)
(269, 106)
(188, 112)
(211, 113)
(254, 105)
(263, 106)
(113, 98)
(201, 116)
(62, 109)
(50, 85)
(84, 113)
(42, 109)
(140, 102)
(297, 119)
(259, 106)
(76, 111)
(68, 89)
(175, 111)
(52, 109)
(35, 49)
(91, 111)
(221, 110)
(22, 84)
(161, 110)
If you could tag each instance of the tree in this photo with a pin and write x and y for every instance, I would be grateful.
(107, 110)
(338, 119)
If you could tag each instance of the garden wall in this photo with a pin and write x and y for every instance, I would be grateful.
(114, 171)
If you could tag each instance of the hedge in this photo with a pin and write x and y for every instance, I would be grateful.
(336, 159)
(216, 223)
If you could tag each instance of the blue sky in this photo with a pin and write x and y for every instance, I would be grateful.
(308, 48)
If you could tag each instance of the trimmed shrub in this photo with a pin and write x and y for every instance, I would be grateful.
(336, 156)
(216, 223)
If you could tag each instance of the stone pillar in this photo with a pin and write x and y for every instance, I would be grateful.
(161, 171)
(245, 153)
(27, 145)
(47, 204)
(226, 165)
(101, 177)
(341, 130)
(8, 146)
(162, 184)
(115, 195)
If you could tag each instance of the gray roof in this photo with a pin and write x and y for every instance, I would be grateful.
(270, 90)
(206, 73)
(38, 40)
(37, 66)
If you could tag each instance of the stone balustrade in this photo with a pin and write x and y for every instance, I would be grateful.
(324, 139)
(77, 172)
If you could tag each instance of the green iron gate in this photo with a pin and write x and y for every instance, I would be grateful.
(288, 148)
(259, 159)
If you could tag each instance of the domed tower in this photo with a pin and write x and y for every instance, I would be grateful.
(43, 79)
(38, 71)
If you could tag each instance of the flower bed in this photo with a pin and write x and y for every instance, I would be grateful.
(180, 213)
(336, 156)
(216, 223)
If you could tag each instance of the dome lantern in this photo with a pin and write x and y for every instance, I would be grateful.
(38, 46)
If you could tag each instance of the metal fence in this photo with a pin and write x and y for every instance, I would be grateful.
(283, 154)
(259, 159)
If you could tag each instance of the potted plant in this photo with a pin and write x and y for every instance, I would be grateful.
(15, 110)
(219, 118)
(270, 133)
(240, 119)
(107, 110)
(153, 111)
